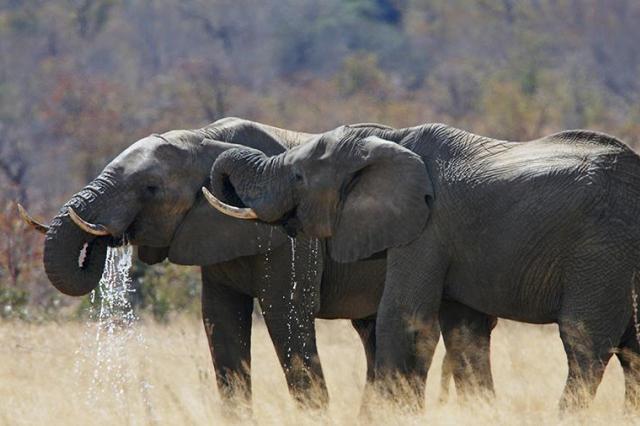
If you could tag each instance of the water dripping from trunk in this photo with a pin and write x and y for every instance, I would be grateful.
(294, 282)
(291, 316)
(312, 260)
(308, 296)
(112, 336)
(267, 268)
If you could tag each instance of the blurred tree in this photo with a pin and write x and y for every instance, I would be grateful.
(82, 79)
(361, 74)
(91, 16)
(91, 115)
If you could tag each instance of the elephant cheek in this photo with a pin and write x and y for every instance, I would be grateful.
(318, 217)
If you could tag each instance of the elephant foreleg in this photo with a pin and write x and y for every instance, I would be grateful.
(366, 329)
(294, 339)
(407, 329)
(289, 301)
(226, 315)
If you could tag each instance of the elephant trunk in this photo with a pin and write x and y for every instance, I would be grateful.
(246, 177)
(74, 259)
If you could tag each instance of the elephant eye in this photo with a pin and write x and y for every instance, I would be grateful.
(298, 177)
(151, 189)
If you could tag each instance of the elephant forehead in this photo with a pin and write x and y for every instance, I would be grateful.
(325, 158)
(321, 146)
(148, 154)
(310, 150)
(138, 152)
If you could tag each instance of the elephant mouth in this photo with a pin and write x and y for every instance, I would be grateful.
(129, 234)
(234, 206)
(85, 251)
(290, 223)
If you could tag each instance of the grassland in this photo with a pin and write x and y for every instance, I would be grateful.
(47, 377)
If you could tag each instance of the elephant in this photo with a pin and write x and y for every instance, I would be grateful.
(151, 194)
(541, 231)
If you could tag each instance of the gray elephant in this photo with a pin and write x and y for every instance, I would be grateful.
(151, 194)
(544, 231)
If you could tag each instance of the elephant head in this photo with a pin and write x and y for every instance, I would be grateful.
(150, 194)
(361, 192)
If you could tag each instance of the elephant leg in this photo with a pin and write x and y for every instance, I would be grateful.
(587, 362)
(366, 328)
(226, 315)
(466, 334)
(407, 329)
(629, 356)
(294, 339)
(594, 314)
(589, 336)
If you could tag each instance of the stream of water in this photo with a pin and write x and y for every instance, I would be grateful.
(112, 334)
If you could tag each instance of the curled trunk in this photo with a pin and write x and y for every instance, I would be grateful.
(73, 259)
(245, 177)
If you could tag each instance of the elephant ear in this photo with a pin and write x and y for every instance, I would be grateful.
(385, 203)
(206, 237)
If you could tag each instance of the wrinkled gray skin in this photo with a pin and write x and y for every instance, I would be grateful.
(544, 231)
(151, 193)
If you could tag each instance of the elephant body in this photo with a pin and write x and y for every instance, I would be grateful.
(543, 231)
(151, 194)
(554, 240)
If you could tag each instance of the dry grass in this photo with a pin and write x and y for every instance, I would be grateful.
(41, 381)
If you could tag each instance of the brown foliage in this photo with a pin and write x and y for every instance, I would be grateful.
(79, 82)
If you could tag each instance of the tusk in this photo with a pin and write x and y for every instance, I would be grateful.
(90, 228)
(31, 221)
(237, 212)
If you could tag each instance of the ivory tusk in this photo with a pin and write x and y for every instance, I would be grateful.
(90, 228)
(237, 212)
(31, 221)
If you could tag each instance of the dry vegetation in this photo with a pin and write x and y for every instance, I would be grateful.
(43, 382)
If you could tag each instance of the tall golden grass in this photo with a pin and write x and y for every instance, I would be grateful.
(46, 377)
